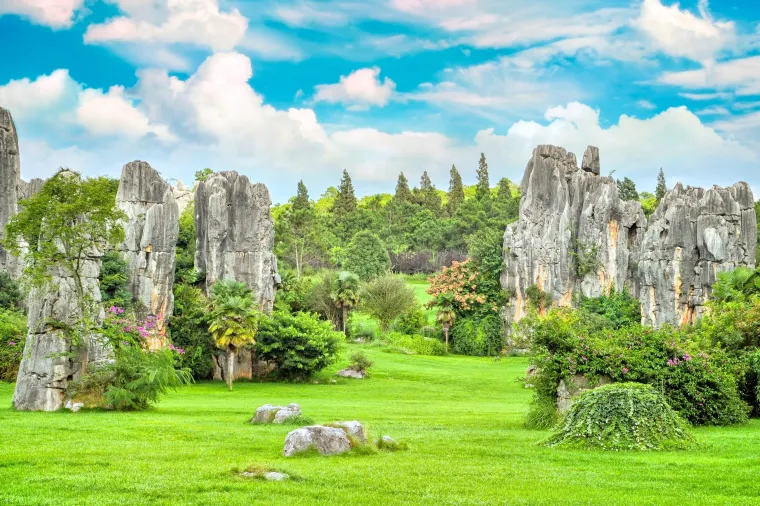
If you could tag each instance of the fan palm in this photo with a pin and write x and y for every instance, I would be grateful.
(346, 293)
(446, 314)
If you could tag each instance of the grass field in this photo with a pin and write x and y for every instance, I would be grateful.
(462, 418)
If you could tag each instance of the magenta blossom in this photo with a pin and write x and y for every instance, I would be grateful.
(625, 370)
(12, 343)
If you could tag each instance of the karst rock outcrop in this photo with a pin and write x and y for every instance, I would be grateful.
(576, 236)
(150, 241)
(10, 180)
(235, 240)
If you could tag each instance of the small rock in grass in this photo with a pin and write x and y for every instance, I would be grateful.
(326, 440)
(276, 414)
(351, 373)
(388, 440)
(74, 406)
(353, 429)
(274, 476)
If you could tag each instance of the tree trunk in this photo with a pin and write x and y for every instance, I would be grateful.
(230, 366)
(446, 334)
(345, 317)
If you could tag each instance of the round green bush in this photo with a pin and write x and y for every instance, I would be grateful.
(622, 416)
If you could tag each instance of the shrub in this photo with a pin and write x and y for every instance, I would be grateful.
(185, 269)
(319, 299)
(366, 256)
(114, 273)
(619, 308)
(188, 329)
(359, 362)
(299, 345)
(12, 340)
(416, 345)
(479, 337)
(623, 416)
(386, 298)
(10, 294)
(410, 321)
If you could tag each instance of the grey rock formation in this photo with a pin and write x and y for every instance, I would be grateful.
(50, 362)
(30, 189)
(236, 234)
(10, 180)
(150, 231)
(353, 429)
(572, 387)
(183, 195)
(326, 440)
(694, 235)
(276, 414)
(575, 236)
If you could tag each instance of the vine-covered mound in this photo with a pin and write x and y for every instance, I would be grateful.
(622, 416)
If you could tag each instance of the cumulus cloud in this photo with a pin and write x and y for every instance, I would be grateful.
(741, 75)
(25, 96)
(196, 22)
(680, 33)
(359, 89)
(53, 13)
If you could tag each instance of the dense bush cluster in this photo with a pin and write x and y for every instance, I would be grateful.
(12, 340)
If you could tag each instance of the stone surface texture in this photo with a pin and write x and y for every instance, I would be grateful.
(326, 440)
(353, 429)
(351, 373)
(10, 182)
(183, 195)
(571, 388)
(150, 240)
(276, 414)
(236, 234)
(50, 362)
(575, 236)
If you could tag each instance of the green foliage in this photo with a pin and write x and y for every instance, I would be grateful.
(299, 345)
(428, 196)
(483, 187)
(648, 203)
(414, 345)
(319, 299)
(619, 307)
(345, 201)
(624, 416)
(698, 382)
(403, 193)
(480, 337)
(114, 273)
(359, 362)
(202, 175)
(188, 329)
(10, 293)
(345, 294)
(757, 249)
(386, 298)
(185, 265)
(662, 187)
(585, 258)
(455, 197)
(627, 189)
(366, 256)
(411, 321)
(293, 293)
(538, 299)
(12, 340)
(736, 285)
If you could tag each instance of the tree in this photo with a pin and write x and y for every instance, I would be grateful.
(662, 189)
(483, 190)
(456, 191)
(627, 189)
(505, 189)
(386, 298)
(345, 201)
(202, 175)
(446, 314)
(366, 256)
(429, 197)
(295, 227)
(234, 321)
(757, 250)
(403, 194)
(10, 295)
(346, 294)
(65, 222)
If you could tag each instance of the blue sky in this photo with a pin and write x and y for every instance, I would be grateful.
(287, 89)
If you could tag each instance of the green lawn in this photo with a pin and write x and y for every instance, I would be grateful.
(460, 416)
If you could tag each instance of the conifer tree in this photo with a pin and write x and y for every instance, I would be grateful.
(483, 190)
(627, 189)
(301, 202)
(456, 191)
(662, 189)
(345, 202)
(505, 189)
(429, 197)
(403, 194)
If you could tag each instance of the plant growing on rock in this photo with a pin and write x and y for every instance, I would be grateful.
(234, 320)
(359, 362)
(623, 416)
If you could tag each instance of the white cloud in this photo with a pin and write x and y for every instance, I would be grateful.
(269, 45)
(705, 96)
(646, 104)
(716, 110)
(741, 75)
(358, 90)
(304, 14)
(53, 13)
(680, 33)
(25, 96)
(111, 113)
(196, 22)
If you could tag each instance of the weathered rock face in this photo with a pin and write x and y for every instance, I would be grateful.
(693, 235)
(276, 414)
(183, 195)
(30, 189)
(151, 232)
(10, 179)
(236, 234)
(575, 236)
(326, 440)
(50, 362)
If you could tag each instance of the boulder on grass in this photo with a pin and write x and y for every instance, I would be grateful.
(326, 440)
(276, 414)
(353, 429)
(352, 373)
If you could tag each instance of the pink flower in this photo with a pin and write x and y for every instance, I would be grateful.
(686, 357)
(625, 370)
(12, 343)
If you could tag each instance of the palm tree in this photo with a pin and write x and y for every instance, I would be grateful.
(234, 320)
(346, 293)
(446, 314)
